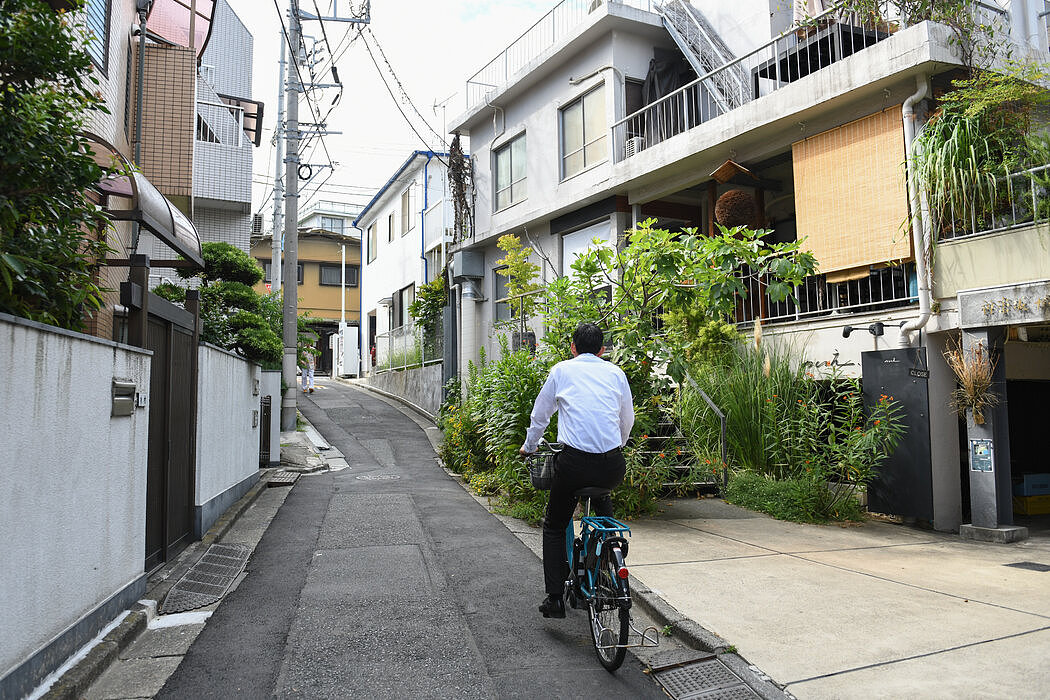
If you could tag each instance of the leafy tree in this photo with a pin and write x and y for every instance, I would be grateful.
(233, 315)
(51, 236)
(521, 277)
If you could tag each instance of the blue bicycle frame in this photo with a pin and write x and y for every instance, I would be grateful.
(596, 531)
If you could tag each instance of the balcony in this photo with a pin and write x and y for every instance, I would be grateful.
(558, 24)
(883, 288)
(832, 36)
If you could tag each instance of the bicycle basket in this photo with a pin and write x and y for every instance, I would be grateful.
(541, 471)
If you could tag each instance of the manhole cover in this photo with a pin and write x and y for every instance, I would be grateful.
(378, 477)
(704, 679)
(208, 580)
(1030, 565)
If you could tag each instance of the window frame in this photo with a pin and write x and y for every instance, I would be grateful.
(91, 9)
(268, 278)
(390, 219)
(340, 222)
(408, 222)
(511, 186)
(372, 242)
(501, 309)
(351, 280)
(585, 143)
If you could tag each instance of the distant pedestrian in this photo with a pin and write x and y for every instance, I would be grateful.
(307, 363)
(595, 417)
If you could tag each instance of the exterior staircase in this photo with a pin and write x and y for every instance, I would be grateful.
(705, 51)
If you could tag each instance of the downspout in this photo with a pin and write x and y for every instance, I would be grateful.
(423, 219)
(142, 7)
(920, 214)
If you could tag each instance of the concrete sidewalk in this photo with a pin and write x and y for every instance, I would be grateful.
(868, 610)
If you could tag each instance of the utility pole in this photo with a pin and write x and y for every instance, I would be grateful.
(290, 325)
(278, 184)
(294, 88)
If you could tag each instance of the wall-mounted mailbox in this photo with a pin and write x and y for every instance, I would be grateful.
(123, 398)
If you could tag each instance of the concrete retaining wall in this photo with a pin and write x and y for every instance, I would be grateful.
(421, 386)
(73, 502)
(228, 421)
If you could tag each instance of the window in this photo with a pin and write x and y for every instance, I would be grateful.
(390, 230)
(510, 173)
(266, 269)
(583, 133)
(408, 221)
(579, 242)
(97, 19)
(333, 224)
(499, 295)
(330, 275)
(403, 298)
(371, 243)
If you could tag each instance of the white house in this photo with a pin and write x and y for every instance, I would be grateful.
(606, 113)
(405, 230)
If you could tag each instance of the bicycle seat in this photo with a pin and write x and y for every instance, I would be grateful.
(592, 492)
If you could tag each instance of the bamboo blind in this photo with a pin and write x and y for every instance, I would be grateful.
(850, 195)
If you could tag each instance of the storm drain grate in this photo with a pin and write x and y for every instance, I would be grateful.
(208, 580)
(709, 679)
(282, 478)
(1030, 565)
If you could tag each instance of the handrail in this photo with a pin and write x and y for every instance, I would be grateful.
(740, 59)
(722, 438)
(577, 7)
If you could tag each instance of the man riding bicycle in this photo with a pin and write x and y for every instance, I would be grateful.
(595, 417)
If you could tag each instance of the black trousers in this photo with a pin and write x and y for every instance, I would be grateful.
(576, 470)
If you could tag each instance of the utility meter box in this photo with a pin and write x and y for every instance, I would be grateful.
(468, 264)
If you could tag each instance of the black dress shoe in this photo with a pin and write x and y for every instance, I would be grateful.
(552, 606)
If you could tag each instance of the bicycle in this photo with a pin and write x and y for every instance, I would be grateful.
(599, 578)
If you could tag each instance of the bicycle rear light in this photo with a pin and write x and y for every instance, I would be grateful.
(622, 573)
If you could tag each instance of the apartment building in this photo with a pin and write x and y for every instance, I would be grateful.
(406, 229)
(606, 113)
(329, 279)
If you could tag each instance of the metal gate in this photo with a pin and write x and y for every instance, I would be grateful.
(265, 406)
(904, 485)
(171, 463)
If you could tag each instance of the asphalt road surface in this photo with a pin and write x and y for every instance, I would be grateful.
(387, 580)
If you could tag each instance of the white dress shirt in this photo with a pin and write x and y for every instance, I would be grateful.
(593, 401)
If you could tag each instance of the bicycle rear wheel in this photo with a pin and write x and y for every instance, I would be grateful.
(610, 620)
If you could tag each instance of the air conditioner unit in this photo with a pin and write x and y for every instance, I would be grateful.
(634, 145)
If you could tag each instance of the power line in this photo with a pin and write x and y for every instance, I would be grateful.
(396, 103)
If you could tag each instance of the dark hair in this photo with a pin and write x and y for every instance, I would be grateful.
(588, 338)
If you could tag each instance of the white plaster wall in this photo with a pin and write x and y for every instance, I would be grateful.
(744, 25)
(73, 505)
(398, 263)
(227, 442)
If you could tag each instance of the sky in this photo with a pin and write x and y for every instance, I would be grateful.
(433, 46)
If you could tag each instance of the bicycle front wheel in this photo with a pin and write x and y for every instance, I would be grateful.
(610, 619)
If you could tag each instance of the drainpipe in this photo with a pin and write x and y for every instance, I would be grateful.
(920, 214)
(469, 296)
(142, 7)
(423, 219)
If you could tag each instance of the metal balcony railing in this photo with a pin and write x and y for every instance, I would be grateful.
(883, 288)
(1021, 199)
(407, 346)
(545, 33)
(831, 36)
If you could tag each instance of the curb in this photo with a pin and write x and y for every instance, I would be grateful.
(75, 682)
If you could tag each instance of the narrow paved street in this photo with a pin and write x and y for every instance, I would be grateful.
(388, 580)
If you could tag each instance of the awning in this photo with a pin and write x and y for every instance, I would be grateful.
(170, 20)
(253, 115)
(147, 205)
